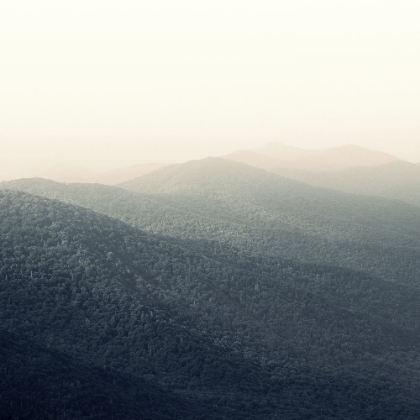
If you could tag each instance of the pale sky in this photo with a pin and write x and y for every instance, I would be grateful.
(107, 84)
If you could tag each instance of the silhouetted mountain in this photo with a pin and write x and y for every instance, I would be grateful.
(230, 334)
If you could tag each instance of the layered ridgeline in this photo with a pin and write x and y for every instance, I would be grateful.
(397, 180)
(383, 272)
(219, 237)
(261, 214)
(349, 168)
(275, 156)
(89, 300)
(271, 215)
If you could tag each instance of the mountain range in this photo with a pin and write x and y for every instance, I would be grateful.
(210, 289)
(348, 168)
(277, 155)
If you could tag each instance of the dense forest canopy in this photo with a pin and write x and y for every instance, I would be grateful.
(225, 291)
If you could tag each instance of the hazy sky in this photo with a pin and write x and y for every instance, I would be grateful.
(105, 84)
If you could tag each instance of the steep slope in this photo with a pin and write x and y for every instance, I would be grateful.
(221, 332)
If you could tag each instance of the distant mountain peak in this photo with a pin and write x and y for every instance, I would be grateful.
(282, 151)
(354, 148)
(253, 158)
(275, 156)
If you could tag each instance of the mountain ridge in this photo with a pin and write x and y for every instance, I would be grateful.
(331, 159)
(214, 318)
(284, 218)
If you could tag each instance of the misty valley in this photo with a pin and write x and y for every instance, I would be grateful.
(272, 283)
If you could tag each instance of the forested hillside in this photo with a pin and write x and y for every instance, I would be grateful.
(282, 217)
(225, 331)
(39, 382)
(208, 210)
(290, 220)
(214, 237)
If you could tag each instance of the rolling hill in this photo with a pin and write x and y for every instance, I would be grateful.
(291, 219)
(219, 332)
(397, 180)
(348, 169)
(260, 213)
